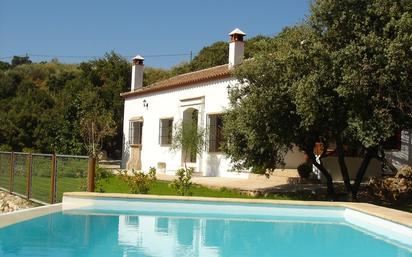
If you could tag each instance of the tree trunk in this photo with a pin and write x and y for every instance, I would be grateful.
(370, 153)
(342, 164)
(324, 171)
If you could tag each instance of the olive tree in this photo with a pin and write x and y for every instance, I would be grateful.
(345, 77)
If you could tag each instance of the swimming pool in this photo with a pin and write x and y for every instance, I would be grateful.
(173, 227)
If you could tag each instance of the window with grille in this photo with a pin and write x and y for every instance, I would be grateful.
(165, 131)
(135, 132)
(215, 132)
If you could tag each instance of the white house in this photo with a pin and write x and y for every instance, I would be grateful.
(150, 113)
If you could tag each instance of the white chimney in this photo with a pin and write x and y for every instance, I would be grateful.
(236, 47)
(137, 72)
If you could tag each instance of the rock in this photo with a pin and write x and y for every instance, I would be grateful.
(9, 202)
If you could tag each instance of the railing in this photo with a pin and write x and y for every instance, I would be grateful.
(45, 177)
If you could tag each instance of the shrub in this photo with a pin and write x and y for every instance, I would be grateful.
(139, 182)
(102, 176)
(393, 188)
(304, 170)
(182, 183)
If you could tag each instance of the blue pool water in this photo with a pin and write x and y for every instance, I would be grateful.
(108, 233)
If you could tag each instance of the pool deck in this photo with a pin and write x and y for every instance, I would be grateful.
(282, 180)
(400, 217)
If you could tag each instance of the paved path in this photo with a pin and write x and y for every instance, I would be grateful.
(280, 181)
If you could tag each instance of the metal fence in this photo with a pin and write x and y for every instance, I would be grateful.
(43, 177)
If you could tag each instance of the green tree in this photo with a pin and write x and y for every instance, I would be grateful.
(19, 60)
(96, 123)
(152, 75)
(4, 65)
(338, 80)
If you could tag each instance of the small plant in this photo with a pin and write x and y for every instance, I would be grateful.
(139, 182)
(304, 170)
(182, 182)
(102, 177)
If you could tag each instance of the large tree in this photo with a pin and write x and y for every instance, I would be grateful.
(344, 78)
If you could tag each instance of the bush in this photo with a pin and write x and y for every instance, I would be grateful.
(304, 170)
(139, 182)
(102, 176)
(394, 188)
(182, 183)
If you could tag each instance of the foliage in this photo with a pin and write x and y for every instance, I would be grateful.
(19, 60)
(4, 65)
(304, 170)
(262, 122)
(344, 78)
(43, 105)
(393, 188)
(189, 138)
(102, 177)
(152, 75)
(182, 183)
(139, 182)
(96, 125)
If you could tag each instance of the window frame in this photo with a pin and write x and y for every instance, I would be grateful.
(132, 133)
(168, 129)
(217, 138)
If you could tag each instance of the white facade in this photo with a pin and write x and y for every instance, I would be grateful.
(207, 98)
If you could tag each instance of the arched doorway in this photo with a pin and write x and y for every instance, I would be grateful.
(190, 123)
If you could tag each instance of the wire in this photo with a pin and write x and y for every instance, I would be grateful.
(94, 56)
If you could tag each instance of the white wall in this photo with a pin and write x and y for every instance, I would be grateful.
(207, 98)
(404, 156)
(331, 163)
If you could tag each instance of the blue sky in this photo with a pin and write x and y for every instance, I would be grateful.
(130, 27)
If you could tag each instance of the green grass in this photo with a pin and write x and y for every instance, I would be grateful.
(116, 185)
(71, 175)
(41, 186)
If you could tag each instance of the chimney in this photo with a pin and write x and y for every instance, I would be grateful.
(236, 47)
(137, 72)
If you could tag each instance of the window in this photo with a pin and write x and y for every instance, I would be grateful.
(165, 131)
(135, 132)
(215, 132)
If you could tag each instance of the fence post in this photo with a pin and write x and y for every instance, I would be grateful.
(29, 175)
(53, 179)
(91, 171)
(11, 177)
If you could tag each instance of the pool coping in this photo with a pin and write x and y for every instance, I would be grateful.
(10, 218)
(396, 216)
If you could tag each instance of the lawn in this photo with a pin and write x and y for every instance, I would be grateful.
(71, 175)
(116, 185)
(41, 186)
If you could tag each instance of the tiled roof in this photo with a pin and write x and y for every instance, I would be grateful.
(214, 73)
